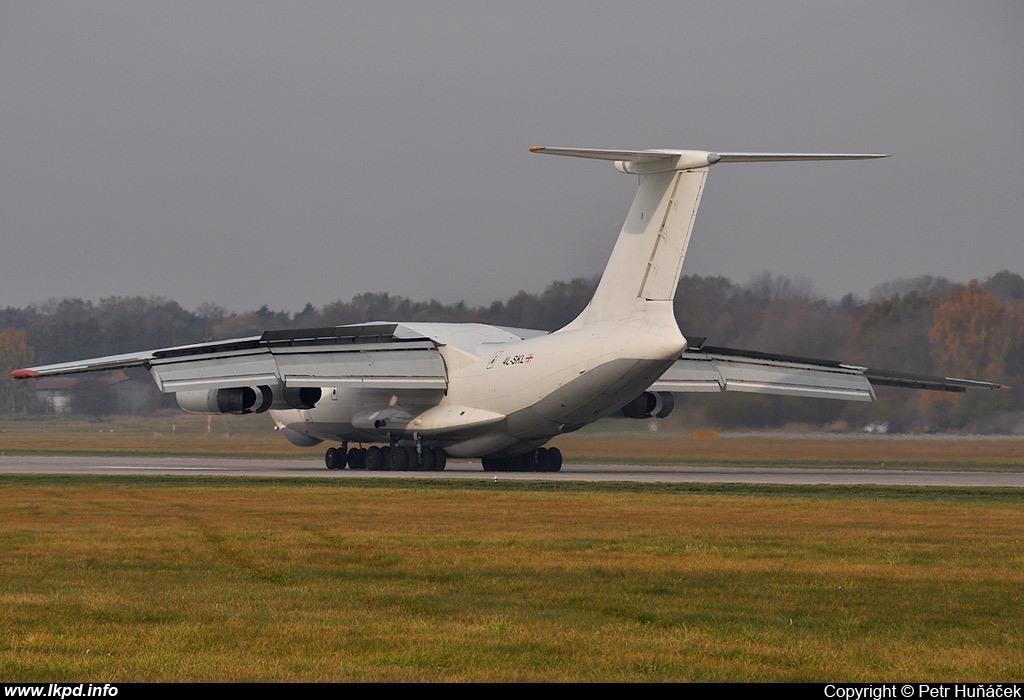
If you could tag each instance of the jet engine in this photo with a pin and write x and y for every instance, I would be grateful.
(247, 399)
(650, 404)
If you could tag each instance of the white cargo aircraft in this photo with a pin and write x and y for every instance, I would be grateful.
(420, 392)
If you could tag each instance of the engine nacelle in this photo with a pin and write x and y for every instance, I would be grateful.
(237, 400)
(650, 404)
(247, 399)
(296, 397)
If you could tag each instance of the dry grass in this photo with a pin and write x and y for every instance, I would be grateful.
(167, 433)
(816, 449)
(225, 580)
(177, 433)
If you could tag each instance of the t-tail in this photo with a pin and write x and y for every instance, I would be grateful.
(643, 271)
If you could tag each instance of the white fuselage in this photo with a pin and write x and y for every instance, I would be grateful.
(513, 393)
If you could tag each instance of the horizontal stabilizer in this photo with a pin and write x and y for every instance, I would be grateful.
(662, 159)
(792, 157)
(606, 154)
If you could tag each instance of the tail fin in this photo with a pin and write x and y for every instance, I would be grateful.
(648, 257)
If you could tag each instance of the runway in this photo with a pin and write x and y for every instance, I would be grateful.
(313, 468)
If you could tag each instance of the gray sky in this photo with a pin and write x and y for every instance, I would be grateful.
(278, 153)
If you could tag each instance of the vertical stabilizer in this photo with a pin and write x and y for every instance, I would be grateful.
(647, 261)
(648, 255)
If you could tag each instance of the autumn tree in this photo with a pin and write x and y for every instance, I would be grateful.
(974, 334)
(978, 337)
(893, 333)
(1008, 286)
(14, 354)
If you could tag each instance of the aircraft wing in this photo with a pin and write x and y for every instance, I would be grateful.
(705, 368)
(381, 355)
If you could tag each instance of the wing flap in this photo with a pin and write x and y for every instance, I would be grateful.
(706, 372)
(705, 368)
(375, 355)
(214, 371)
(407, 365)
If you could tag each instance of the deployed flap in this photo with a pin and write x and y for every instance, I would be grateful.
(214, 370)
(706, 372)
(373, 355)
(709, 369)
(405, 365)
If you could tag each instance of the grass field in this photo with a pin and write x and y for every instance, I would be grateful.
(237, 579)
(177, 433)
(213, 579)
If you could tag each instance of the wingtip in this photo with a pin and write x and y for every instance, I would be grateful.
(24, 374)
(535, 149)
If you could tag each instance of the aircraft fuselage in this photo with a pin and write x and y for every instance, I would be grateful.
(504, 397)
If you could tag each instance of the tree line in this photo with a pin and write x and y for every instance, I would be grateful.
(928, 325)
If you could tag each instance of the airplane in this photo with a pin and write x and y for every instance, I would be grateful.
(406, 396)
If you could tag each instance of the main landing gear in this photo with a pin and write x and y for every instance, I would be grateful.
(544, 459)
(420, 458)
(417, 458)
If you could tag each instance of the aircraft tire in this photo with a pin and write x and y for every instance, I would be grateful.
(356, 458)
(374, 459)
(440, 460)
(412, 457)
(428, 460)
(541, 459)
(398, 459)
(334, 458)
(554, 460)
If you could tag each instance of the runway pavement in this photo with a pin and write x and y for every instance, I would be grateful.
(314, 468)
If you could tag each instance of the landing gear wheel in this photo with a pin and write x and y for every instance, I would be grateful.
(553, 460)
(428, 459)
(356, 458)
(398, 459)
(434, 459)
(374, 459)
(541, 459)
(412, 459)
(334, 458)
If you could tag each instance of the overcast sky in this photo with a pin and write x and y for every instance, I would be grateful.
(279, 153)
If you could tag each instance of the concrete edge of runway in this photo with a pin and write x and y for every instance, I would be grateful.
(634, 473)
